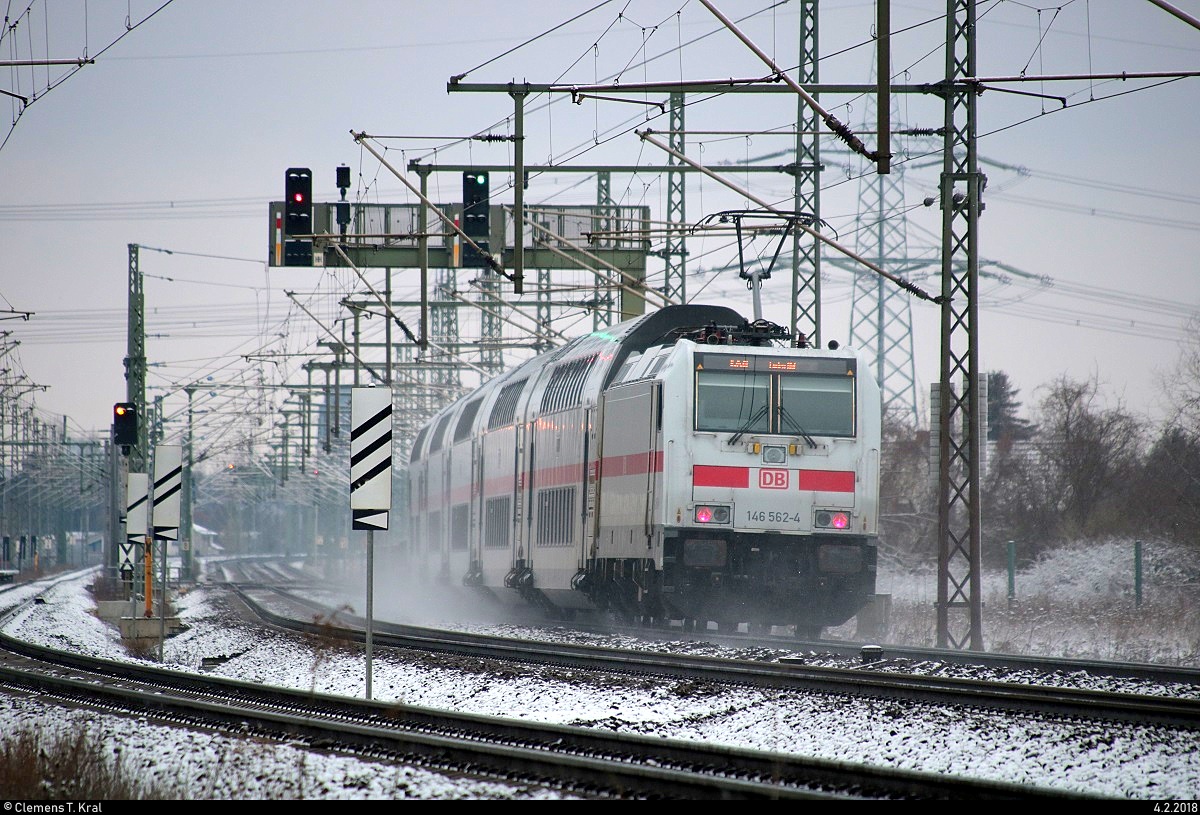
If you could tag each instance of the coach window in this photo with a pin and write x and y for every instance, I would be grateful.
(820, 405)
(732, 401)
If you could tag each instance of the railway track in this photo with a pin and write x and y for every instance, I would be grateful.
(604, 679)
(879, 655)
(584, 761)
(863, 680)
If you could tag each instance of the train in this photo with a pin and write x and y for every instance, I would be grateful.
(687, 466)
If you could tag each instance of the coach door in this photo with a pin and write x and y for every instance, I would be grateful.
(591, 478)
(629, 464)
(653, 466)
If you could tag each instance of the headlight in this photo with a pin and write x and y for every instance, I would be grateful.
(831, 519)
(774, 455)
(709, 514)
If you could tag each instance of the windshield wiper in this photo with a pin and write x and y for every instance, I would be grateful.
(809, 439)
(758, 414)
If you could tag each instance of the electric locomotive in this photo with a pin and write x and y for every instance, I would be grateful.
(686, 465)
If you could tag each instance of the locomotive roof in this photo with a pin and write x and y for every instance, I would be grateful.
(616, 342)
(651, 329)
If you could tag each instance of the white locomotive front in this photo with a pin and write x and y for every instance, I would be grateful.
(680, 466)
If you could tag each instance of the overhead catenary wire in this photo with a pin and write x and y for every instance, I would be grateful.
(129, 27)
(219, 329)
(904, 284)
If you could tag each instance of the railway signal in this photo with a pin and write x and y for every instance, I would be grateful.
(342, 207)
(297, 217)
(476, 224)
(125, 424)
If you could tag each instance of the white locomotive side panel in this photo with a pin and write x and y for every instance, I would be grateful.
(629, 466)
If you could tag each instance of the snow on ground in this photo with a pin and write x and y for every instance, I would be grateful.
(1147, 763)
(195, 764)
(200, 765)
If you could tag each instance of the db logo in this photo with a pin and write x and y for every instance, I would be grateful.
(773, 479)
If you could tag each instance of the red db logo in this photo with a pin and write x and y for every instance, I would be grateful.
(773, 479)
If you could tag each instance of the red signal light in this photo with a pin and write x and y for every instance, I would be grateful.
(703, 515)
(840, 520)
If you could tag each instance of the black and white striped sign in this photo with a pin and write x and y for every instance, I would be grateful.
(137, 496)
(168, 486)
(370, 457)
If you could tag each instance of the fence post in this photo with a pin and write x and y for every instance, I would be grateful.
(1012, 568)
(1137, 573)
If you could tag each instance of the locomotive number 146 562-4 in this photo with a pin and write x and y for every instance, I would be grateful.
(761, 516)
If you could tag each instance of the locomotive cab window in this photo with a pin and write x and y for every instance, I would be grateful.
(729, 401)
(773, 395)
(821, 405)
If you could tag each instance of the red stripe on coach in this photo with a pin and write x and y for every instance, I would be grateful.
(708, 475)
(827, 480)
(632, 464)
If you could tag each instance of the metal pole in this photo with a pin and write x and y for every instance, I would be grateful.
(842, 131)
(423, 250)
(148, 574)
(518, 278)
(1187, 18)
(370, 601)
(162, 603)
(883, 76)
(148, 547)
(960, 604)
(185, 527)
(387, 327)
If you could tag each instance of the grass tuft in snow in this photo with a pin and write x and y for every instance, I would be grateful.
(65, 766)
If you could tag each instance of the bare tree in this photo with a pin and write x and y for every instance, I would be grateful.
(1166, 498)
(1017, 503)
(1088, 455)
(906, 504)
(1182, 384)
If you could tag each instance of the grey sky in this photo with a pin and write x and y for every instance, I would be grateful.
(178, 137)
